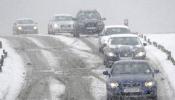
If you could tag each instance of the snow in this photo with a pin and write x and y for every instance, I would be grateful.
(158, 57)
(48, 55)
(166, 40)
(56, 88)
(98, 89)
(12, 77)
(73, 43)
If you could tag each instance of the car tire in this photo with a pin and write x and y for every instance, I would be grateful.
(109, 97)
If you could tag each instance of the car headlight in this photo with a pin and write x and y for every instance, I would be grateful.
(55, 25)
(19, 28)
(34, 27)
(114, 85)
(149, 84)
(111, 54)
(140, 54)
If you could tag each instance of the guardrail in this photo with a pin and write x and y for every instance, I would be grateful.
(3, 56)
(160, 47)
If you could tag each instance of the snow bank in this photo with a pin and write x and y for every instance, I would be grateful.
(98, 89)
(161, 61)
(12, 77)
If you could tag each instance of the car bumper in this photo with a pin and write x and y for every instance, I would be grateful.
(27, 31)
(146, 93)
(61, 30)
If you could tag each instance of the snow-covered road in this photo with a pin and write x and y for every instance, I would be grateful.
(68, 68)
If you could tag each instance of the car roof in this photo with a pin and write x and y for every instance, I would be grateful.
(62, 15)
(116, 26)
(124, 35)
(131, 61)
(24, 19)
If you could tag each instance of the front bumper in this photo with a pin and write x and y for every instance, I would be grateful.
(144, 93)
(63, 30)
(27, 31)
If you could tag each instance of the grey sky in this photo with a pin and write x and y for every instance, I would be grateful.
(144, 15)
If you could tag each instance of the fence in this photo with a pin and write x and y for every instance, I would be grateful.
(160, 47)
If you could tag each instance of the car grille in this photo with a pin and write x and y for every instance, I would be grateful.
(131, 84)
(27, 27)
(125, 52)
(65, 26)
(91, 25)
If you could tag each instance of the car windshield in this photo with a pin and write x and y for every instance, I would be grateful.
(89, 15)
(110, 31)
(131, 68)
(125, 41)
(25, 21)
(63, 18)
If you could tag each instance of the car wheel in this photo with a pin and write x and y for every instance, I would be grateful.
(109, 97)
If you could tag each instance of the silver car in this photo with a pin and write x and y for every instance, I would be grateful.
(25, 26)
(61, 23)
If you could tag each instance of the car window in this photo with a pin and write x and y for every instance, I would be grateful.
(25, 21)
(131, 68)
(111, 31)
(88, 15)
(124, 41)
(63, 18)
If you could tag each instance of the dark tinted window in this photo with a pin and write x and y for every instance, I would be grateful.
(88, 15)
(131, 68)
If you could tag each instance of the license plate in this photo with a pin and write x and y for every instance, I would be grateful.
(90, 27)
(131, 90)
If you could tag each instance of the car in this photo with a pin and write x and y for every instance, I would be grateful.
(25, 26)
(123, 46)
(131, 79)
(88, 22)
(61, 23)
(111, 30)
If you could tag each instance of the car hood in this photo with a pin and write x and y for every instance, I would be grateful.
(26, 25)
(136, 77)
(91, 20)
(65, 22)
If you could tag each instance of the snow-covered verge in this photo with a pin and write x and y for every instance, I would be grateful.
(13, 74)
(56, 88)
(160, 58)
(167, 40)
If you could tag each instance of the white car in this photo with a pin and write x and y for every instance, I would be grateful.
(109, 31)
(61, 23)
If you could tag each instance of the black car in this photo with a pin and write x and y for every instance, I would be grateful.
(123, 46)
(25, 26)
(88, 22)
(131, 79)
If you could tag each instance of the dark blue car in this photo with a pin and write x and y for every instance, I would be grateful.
(131, 79)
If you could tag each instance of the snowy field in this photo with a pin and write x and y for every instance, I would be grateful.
(166, 40)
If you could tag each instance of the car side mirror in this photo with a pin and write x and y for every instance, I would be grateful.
(105, 73)
(156, 71)
(144, 44)
(103, 19)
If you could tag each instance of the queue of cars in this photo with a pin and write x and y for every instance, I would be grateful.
(85, 22)
(130, 75)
